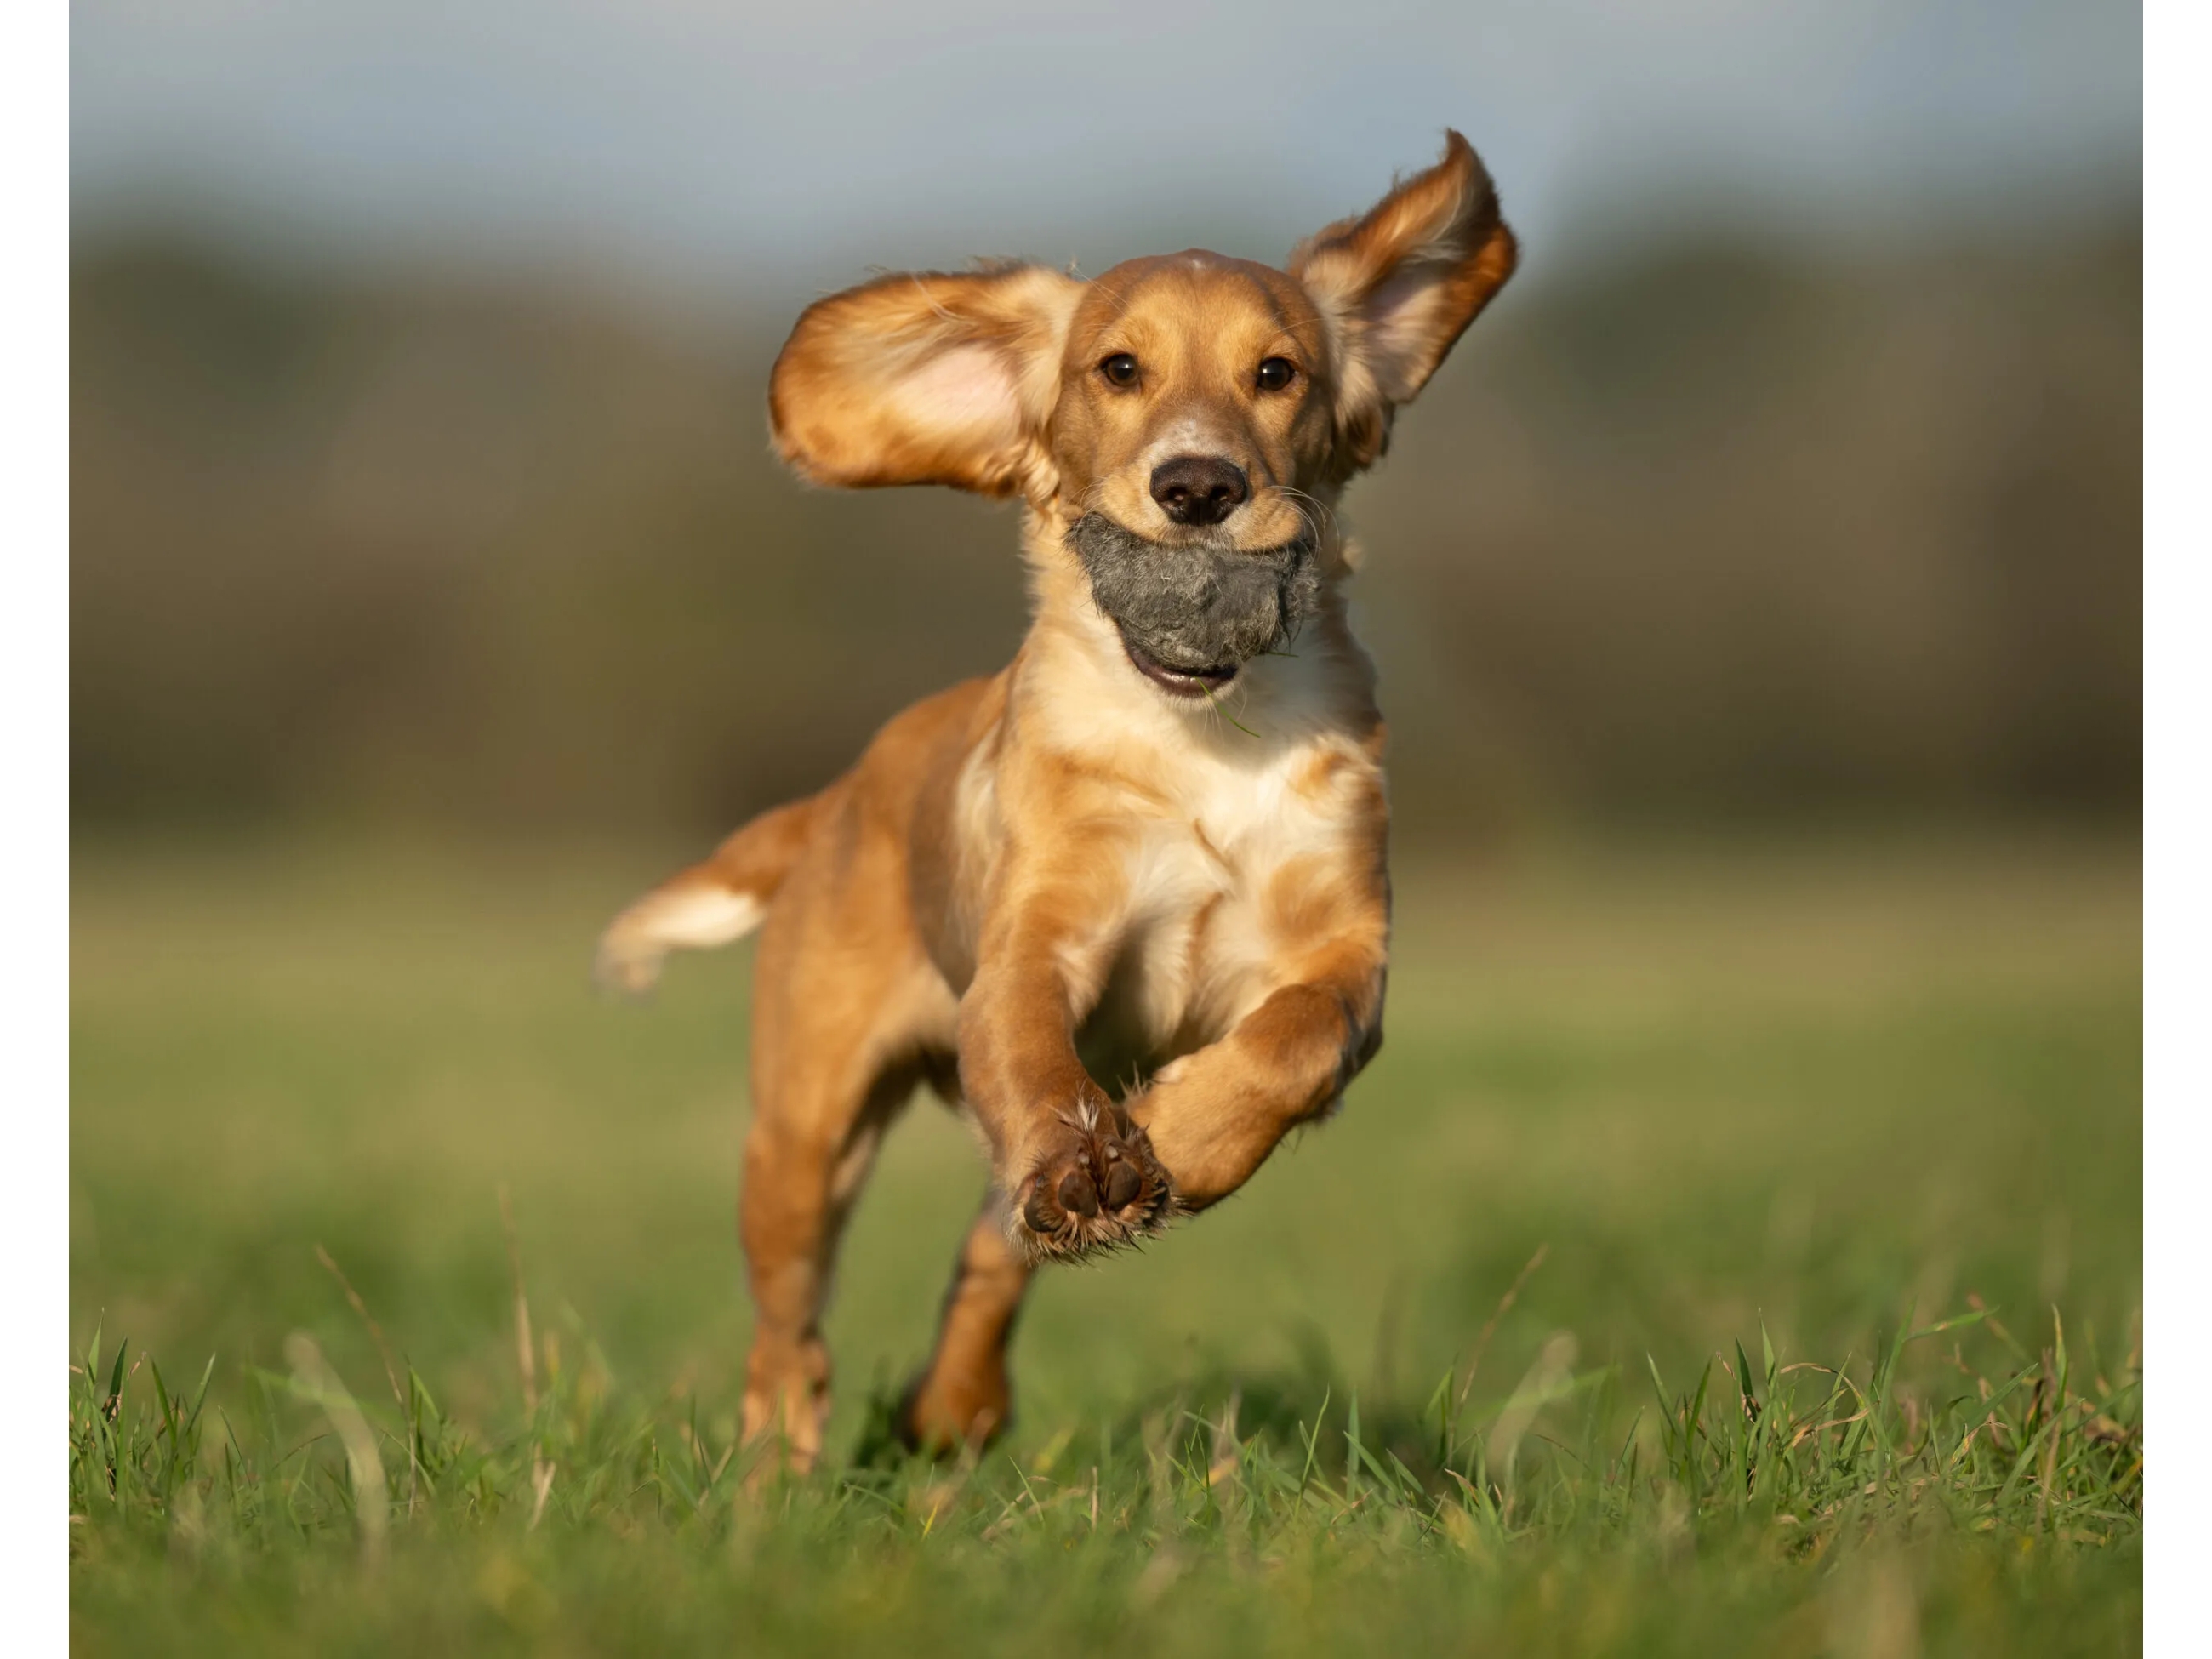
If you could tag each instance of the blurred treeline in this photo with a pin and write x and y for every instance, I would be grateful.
(1710, 531)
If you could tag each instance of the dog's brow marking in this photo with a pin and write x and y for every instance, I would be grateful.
(1267, 295)
(1120, 297)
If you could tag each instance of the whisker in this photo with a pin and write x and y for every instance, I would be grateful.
(1313, 514)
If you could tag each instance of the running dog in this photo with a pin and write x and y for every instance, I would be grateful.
(1125, 903)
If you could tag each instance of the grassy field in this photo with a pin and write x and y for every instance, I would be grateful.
(1733, 1249)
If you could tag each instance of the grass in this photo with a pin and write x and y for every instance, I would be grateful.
(1733, 1248)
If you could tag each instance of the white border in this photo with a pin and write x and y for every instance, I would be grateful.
(2178, 804)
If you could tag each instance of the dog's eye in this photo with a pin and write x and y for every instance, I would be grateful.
(1121, 368)
(1276, 373)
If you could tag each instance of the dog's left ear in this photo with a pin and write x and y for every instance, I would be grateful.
(1400, 285)
(927, 377)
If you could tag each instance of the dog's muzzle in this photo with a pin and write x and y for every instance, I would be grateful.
(1191, 617)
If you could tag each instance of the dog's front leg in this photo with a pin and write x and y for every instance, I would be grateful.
(1214, 1115)
(1079, 1176)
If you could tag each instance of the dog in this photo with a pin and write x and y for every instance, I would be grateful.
(1150, 854)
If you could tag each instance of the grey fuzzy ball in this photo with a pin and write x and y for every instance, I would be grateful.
(1193, 608)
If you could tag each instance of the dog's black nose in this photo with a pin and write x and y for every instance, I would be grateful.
(1198, 488)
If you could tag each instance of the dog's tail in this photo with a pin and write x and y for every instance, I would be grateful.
(717, 901)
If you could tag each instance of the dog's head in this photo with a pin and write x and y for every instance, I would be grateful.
(1182, 424)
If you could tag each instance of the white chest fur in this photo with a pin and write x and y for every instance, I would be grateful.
(1225, 805)
(1197, 945)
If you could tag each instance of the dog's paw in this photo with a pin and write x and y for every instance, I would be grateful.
(942, 1416)
(1097, 1188)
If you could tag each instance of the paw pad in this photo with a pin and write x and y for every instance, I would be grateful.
(1098, 1188)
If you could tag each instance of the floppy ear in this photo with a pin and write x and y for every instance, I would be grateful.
(926, 378)
(1400, 285)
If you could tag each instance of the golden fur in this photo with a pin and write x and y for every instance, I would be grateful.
(1138, 933)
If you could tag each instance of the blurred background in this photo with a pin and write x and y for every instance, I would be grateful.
(1756, 592)
(418, 465)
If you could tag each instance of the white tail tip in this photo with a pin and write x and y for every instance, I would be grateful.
(685, 918)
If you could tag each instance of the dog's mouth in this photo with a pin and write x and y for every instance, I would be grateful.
(1190, 618)
(1179, 682)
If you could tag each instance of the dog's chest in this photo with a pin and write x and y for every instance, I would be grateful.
(1200, 943)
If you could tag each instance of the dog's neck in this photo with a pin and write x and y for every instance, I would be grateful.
(1073, 673)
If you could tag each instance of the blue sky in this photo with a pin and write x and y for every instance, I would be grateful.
(695, 143)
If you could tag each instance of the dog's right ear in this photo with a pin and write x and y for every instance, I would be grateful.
(926, 377)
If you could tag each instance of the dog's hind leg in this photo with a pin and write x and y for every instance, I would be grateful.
(963, 1399)
(807, 1157)
(838, 1038)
